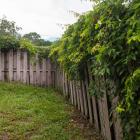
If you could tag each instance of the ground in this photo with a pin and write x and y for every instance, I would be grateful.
(33, 113)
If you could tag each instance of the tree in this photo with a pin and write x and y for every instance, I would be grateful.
(36, 39)
(33, 37)
(8, 28)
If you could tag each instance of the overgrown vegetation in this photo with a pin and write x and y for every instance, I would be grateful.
(109, 39)
(28, 112)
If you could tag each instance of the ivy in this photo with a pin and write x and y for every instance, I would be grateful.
(108, 37)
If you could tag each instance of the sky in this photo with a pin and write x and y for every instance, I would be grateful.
(42, 16)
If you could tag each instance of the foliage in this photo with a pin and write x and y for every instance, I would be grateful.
(27, 45)
(8, 28)
(7, 42)
(35, 38)
(43, 52)
(109, 39)
(131, 106)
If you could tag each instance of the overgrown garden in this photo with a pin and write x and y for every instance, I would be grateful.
(108, 39)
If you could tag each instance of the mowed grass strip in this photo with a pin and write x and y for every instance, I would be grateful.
(33, 113)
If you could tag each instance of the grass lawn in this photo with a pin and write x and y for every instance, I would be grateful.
(33, 113)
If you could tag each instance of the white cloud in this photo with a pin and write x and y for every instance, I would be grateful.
(42, 16)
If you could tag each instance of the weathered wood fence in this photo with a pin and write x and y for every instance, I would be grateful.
(99, 111)
(17, 65)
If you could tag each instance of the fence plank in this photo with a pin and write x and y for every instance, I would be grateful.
(85, 99)
(88, 98)
(11, 65)
(18, 65)
(0, 67)
(25, 67)
(49, 73)
(37, 71)
(44, 72)
(81, 98)
(116, 121)
(31, 71)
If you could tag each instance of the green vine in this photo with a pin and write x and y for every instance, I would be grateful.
(108, 37)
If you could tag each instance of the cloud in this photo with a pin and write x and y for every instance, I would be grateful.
(42, 16)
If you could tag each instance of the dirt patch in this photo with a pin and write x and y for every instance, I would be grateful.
(4, 136)
(87, 130)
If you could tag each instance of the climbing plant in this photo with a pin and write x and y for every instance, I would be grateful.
(108, 37)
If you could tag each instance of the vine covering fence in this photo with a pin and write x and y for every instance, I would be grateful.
(18, 65)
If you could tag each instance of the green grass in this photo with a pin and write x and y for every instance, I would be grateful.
(32, 113)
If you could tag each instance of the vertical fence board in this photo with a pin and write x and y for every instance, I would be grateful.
(44, 72)
(81, 98)
(49, 73)
(106, 118)
(25, 67)
(10, 69)
(0, 67)
(88, 98)
(85, 99)
(18, 65)
(37, 71)
(31, 71)
(117, 121)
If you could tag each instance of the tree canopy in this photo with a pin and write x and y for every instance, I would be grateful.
(8, 28)
(36, 39)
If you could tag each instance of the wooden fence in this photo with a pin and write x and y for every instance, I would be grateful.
(99, 111)
(18, 65)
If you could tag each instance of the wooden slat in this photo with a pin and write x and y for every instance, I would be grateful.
(37, 71)
(85, 99)
(10, 65)
(75, 94)
(101, 116)
(44, 72)
(66, 85)
(104, 112)
(78, 97)
(49, 73)
(31, 72)
(25, 67)
(18, 65)
(96, 121)
(81, 98)
(0, 67)
(88, 98)
(106, 117)
(117, 121)
(71, 93)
